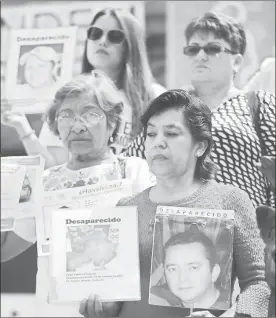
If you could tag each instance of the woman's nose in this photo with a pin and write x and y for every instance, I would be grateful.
(78, 126)
(201, 55)
(103, 40)
(160, 141)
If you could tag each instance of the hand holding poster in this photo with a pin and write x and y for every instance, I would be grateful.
(40, 62)
(95, 250)
(192, 258)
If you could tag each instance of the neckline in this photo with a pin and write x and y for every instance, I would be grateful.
(188, 199)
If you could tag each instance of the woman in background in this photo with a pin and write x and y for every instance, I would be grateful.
(242, 135)
(115, 45)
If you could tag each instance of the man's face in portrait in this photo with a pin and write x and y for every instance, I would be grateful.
(188, 272)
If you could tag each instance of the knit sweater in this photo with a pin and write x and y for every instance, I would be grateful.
(248, 250)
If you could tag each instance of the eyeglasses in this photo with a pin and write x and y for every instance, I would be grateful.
(88, 118)
(113, 36)
(209, 49)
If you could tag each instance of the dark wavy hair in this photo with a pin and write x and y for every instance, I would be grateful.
(222, 26)
(198, 118)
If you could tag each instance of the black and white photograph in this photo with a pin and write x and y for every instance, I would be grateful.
(145, 133)
(91, 247)
(39, 68)
(192, 261)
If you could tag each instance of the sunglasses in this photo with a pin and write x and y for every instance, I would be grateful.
(113, 36)
(209, 49)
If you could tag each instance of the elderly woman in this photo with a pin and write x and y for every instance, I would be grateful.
(178, 143)
(85, 115)
(243, 127)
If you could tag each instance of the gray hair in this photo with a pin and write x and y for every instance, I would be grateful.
(95, 85)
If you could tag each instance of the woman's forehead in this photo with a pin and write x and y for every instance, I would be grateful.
(78, 102)
(169, 118)
(201, 36)
(107, 22)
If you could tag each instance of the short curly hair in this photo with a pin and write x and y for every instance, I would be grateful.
(222, 26)
(198, 119)
(93, 85)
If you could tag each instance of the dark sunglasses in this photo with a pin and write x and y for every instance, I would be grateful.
(113, 36)
(209, 49)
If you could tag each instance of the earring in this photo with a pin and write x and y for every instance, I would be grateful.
(111, 139)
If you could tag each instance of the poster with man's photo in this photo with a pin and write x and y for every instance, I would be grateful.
(39, 63)
(192, 256)
(95, 249)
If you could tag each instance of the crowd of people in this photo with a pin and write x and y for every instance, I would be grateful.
(207, 146)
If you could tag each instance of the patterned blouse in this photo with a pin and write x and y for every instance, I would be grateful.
(237, 146)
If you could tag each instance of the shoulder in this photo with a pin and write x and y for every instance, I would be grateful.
(227, 192)
(132, 200)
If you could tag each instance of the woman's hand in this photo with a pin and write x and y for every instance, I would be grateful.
(204, 313)
(267, 167)
(14, 119)
(94, 307)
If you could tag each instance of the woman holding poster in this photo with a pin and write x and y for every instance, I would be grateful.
(178, 143)
(115, 45)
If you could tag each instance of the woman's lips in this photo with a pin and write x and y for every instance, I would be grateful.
(159, 157)
(101, 51)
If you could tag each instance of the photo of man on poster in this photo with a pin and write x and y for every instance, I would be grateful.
(191, 271)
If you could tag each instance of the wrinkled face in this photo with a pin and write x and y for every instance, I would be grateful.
(82, 126)
(38, 73)
(169, 147)
(103, 54)
(188, 272)
(215, 68)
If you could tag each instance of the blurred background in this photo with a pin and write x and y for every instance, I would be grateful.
(164, 22)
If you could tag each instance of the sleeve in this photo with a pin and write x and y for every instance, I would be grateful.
(47, 138)
(138, 171)
(248, 254)
(267, 132)
(267, 121)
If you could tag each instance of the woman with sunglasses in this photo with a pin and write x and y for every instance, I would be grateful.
(243, 123)
(115, 45)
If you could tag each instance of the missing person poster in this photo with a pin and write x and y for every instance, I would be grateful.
(103, 195)
(39, 63)
(192, 258)
(22, 208)
(95, 250)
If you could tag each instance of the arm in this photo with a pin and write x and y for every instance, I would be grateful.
(267, 136)
(28, 137)
(248, 254)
